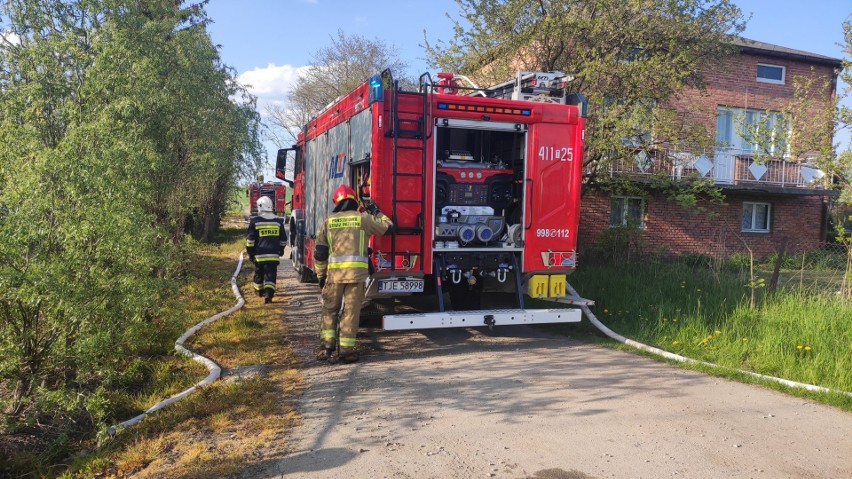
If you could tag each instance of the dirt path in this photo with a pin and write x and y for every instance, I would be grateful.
(521, 403)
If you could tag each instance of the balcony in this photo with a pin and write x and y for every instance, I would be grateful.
(726, 168)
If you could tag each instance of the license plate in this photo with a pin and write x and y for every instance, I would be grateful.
(400, 286)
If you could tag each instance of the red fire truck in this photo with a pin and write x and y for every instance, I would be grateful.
(483, 185)
(274, 190)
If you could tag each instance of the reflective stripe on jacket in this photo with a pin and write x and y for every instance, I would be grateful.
(347, 234)
(266, 236)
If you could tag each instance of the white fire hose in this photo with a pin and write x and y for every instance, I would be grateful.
(212, 367)
(676, 357)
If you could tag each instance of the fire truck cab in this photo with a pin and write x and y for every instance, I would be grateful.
(483, 185)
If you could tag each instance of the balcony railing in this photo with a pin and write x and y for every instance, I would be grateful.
(724, 167)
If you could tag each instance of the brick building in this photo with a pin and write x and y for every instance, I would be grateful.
(780, 197)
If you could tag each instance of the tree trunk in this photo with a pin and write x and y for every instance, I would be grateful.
(773, 282)
(210, 227)
(22, 390)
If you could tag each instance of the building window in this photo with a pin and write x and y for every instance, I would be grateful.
(748, 131)
(756, 217)
(627, 211)
(771, 73)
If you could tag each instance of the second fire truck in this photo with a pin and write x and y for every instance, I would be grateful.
(482, 184)
(276, 192)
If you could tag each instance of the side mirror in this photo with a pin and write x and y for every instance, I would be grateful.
(281, 164)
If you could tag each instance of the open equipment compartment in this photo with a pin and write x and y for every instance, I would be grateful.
(478, 184)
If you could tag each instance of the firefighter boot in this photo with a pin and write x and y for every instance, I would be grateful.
(268, 298)
(349, 356)
(325, 354)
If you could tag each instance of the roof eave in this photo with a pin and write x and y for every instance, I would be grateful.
(832, 62)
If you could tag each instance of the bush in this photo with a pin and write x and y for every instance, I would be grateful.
(622, 244)
(129, 137)
(696, 260)
(737, 262)
(829, 258)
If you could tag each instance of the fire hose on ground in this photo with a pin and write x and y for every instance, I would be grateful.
(214, 370)
(676, 357)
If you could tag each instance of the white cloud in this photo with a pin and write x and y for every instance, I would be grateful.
(10, 37)
(270, 83)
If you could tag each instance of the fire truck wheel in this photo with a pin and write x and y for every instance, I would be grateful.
(305, 275)
(371, 315)
(291, 237)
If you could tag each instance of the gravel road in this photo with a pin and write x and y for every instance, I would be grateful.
(519, 402)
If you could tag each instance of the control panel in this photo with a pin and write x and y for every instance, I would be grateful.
(468, 194)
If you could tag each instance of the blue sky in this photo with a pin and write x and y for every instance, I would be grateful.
(266, 41)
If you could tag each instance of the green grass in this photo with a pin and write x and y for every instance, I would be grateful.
(799, 334)
(220, 429)
(238, 202)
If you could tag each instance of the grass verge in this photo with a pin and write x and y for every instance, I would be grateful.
(229, 426)
(238, 203)
(795, 334)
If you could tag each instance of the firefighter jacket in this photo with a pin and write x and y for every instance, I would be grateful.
(344, 236)
(266, 239)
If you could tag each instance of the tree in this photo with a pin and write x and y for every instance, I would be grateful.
(629, 58)
(335, 70)
(842, 168)
(801, 130)
(812, 116)
(117, 133)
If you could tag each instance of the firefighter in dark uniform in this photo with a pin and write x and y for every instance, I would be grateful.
(341, 262)
(265, 242)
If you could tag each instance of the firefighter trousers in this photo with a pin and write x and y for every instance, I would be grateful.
(265, 273)
(351, 295)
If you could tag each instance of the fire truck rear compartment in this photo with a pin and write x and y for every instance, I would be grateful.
(478, 184)
(478, 203)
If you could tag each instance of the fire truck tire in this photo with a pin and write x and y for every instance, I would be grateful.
(370, 321)
(371, 315)
(291, 236)
(305, 275)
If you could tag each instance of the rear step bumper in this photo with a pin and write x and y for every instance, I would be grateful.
(485, 317)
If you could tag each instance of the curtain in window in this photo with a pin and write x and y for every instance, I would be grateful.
(746, 132)
(736, 129)
(617, 216)
(748, 216)
(732, 127)
(634, 211)
(724, 128)
(626, 211)
(761, 217)
(755, 217)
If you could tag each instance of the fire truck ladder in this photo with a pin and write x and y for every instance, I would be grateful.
(408, 125)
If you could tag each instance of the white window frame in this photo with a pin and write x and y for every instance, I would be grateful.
(754, 204)
(771, 80)
(625, 209)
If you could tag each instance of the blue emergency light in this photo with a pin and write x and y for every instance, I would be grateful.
(376, 91)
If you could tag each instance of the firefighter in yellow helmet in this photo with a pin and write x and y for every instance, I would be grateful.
(341, 262)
